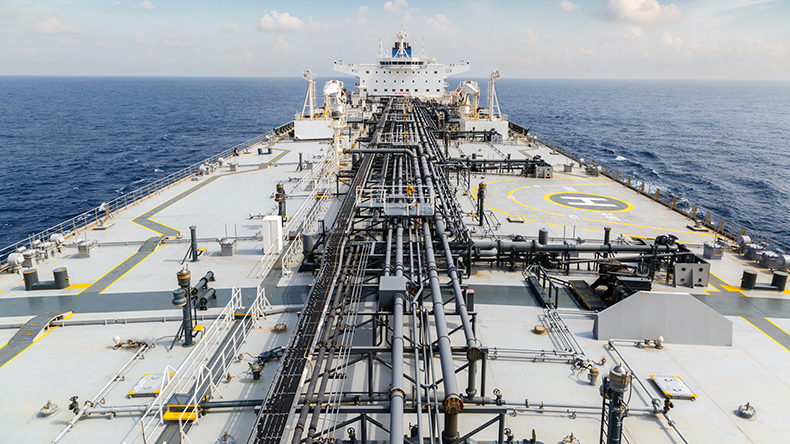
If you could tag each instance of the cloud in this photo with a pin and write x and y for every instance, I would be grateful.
(145, 6)
(633, 32)
(585, 51)
(115, 3)
(666, 39)
(230, 26)
(441, 26)
(280, 22)
(396, 6)
(174, 39)
(140, 36)
(65, 3)
(282, 45)
(362, 10)
(568, 5)
(642, 11)
(51, 25)
(528, 36)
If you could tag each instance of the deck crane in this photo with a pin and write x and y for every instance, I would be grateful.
(469, 97)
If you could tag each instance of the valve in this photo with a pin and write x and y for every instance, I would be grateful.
(352, 434)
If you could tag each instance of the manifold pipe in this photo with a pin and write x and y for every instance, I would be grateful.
(388, 254)
(534, 247)
(473, 353)
(397, 394)
(453, 404)
(380, 151)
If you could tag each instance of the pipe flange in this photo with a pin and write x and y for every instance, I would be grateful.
(453, 404)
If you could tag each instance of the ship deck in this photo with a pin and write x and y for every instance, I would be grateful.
(121, 290)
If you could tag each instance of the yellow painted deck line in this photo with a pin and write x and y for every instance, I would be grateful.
(132, 267)
(780, 328)
(274, 160)
(532, 208)
(31, 344)
(83, 286)
(766, 334)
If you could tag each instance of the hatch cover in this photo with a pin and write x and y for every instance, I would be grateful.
(673, 387)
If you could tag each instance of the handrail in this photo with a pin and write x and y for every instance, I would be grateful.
(711, 220)
(84, 221)
(176, 380)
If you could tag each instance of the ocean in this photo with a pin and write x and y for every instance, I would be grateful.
(67, 144)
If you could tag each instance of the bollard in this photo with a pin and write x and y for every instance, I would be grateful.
(779, 280)
(749, 279)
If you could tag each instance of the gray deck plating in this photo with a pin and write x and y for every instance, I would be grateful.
(27, 335)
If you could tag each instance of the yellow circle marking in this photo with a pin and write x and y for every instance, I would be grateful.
(629, 205)
(510, 195)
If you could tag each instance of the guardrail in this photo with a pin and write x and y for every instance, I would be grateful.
(86, 220)
(198, 375)
(716, 223)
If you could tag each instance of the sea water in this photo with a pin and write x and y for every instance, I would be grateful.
(67, 144)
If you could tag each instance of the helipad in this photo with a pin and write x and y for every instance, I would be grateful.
(589, 202)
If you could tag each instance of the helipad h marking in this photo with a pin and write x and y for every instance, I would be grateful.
(589, 202)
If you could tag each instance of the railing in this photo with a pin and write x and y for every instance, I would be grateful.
(543, 277)
(84, 221)
(710, 220)
(306, 217)
(381, 196)
(194, 372)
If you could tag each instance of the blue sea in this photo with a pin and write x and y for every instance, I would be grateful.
(67, 144)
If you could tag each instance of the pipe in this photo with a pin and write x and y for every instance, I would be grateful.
(654, 401)
(396, 393)
(194, 242)
(534, 247)
(453, 404)
(325, 339)
(104, 390)
(379, 151)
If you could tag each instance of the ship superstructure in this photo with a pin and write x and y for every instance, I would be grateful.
(403, 277)
(400, 72)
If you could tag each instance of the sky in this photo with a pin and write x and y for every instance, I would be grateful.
(619, 39)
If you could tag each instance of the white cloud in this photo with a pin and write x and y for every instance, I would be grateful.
(666, 38)
(568, 5)
(396, 6)
(145, 6)
(441, 26)
(633, 32)
(585, 51)
(230, 26)
(643, 11)
(140, 36)
(174, 39)
(280, 22)
(65, 3)
(115, 3)
(528, 36)
(283, 45)
(51, 25)
(362, 10)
